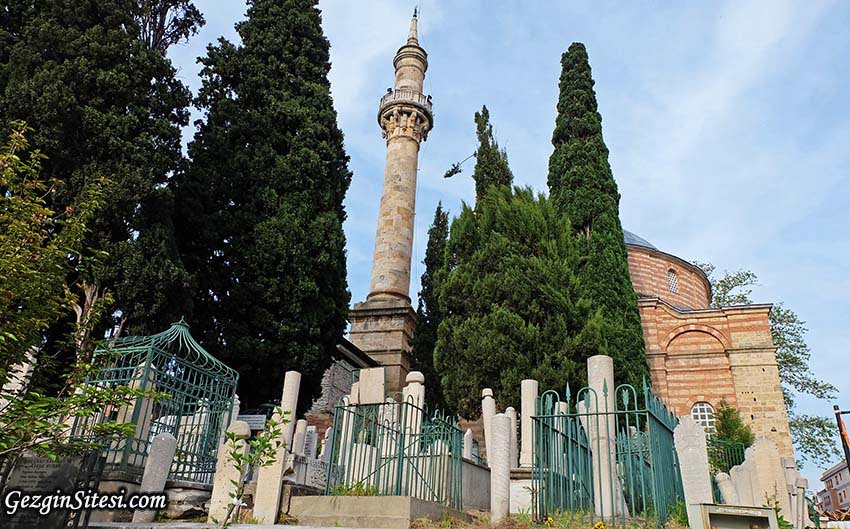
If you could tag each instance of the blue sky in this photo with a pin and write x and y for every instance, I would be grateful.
(728, 126)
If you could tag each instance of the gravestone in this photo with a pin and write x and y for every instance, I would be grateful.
(372, 385)
(157, 467)
(38, 475)
(311, 442)
(691, 449)
(769, 482)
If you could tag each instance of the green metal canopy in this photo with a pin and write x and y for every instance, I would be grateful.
(201, 391)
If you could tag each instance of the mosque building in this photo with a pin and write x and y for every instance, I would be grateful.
(698, 356)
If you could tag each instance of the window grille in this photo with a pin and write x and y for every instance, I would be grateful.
(703, 413)
(672, 281)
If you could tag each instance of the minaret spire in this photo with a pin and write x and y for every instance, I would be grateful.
(413, 36)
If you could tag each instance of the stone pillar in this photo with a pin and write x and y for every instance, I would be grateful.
(528, 397)
(789, 467)
(226, 473)
(511, 413)
(498, 456)
(157, 467)
(270, 478)
(467, 444)
(299, 437)
(414, 394)
(769, 473)
(727, 488)
(609, 500)
(691, 449)
(801, 508)
(740, 475)
(488, 410)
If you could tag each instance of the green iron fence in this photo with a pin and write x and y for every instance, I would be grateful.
(724, 454)
(607, 458)
(196, 411)
(395, 449)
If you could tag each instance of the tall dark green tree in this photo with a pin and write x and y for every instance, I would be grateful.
(104, 104)
(506, 292)
(428, 314)
(491, 162)
(583, 189)
(509, 302)
(260, 210)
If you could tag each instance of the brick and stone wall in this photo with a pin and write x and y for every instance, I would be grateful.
(649, 271)
(717, 354)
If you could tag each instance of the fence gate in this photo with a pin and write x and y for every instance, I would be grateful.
(610, 462)
(395, 449)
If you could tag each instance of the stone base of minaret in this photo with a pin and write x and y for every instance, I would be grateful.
(382, 328)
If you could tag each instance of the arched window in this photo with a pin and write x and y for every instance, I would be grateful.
(672, 281)
(703, 413)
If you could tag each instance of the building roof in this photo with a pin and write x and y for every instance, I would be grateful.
(636, 240)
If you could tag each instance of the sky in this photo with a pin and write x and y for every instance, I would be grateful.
(728, 125)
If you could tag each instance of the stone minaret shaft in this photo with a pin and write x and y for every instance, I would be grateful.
(383, 325)
(405, 118)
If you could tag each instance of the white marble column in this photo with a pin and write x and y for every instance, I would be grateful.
(488, 410)
(511, 413)
(802, 508)
(157, 468)
(727, 488)
(603, 430)
(528, 396)
(226, 473)
(467, 444)
(270, 478)
(298, 437)
(498, 455)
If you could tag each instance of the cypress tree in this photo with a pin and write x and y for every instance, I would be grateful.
(583, 189)
(506, 291)
(103, 104)
(509, 304)
(261, 207)
(428, 314)
(491, 162)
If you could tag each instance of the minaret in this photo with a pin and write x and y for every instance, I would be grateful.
(383, 325)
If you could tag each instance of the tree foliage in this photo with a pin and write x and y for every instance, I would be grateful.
(583, 189)
(491, 161)
(509, 302)
(812, 435)
(261, 207)
(428, 313)
(730, 427)
(35, 244)
(104, 104)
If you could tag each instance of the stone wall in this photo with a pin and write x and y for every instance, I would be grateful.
(649, 268)
(713, 354)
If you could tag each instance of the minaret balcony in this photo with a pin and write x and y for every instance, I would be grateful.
(402, 97)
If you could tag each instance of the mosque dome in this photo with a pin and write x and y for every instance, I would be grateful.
(657, 274)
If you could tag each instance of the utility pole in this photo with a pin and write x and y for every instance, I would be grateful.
(842, 432)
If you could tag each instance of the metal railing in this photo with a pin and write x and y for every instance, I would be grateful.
(609, 463)
(406, 96)
(196, 409)
(395, 449)
(723, 454)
